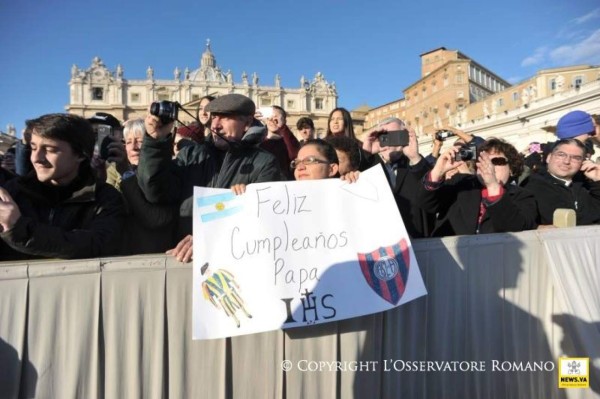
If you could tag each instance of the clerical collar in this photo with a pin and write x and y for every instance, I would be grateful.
(567, 183)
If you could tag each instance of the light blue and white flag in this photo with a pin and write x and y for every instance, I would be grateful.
(218, 206)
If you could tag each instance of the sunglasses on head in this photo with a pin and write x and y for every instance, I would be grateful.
(499, 161)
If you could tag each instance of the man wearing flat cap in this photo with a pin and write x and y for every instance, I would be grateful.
(229, 156)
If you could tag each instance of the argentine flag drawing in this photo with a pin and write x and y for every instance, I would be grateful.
(218, 206)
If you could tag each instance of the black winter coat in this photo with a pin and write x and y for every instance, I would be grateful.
(82, 220)
(149, 228)
(167, 181)
(551, 194)
(418, 223)
(457, 204)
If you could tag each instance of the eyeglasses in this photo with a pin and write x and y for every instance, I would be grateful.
(306, 161)
(564, 156)
(499, 161)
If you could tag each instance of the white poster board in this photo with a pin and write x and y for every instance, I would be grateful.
(298, 253)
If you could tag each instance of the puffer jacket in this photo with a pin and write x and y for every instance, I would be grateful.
(82, 220)
(167, 181)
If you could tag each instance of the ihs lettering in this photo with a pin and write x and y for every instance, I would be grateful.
(311, 306)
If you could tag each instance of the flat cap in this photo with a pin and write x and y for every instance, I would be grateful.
(232, 104)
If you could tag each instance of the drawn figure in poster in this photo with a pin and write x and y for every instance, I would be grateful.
(386, 270)
(221, 289)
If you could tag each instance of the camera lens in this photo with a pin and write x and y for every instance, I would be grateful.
(155, 109)
(166, 111)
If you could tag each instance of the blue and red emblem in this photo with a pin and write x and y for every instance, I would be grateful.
(386, 270)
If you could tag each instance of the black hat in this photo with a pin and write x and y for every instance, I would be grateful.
(102, 118)
(232, 104)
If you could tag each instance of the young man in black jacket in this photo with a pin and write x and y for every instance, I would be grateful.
(60, 210)
(229, 156)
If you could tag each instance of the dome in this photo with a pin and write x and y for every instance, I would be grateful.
(208, 71)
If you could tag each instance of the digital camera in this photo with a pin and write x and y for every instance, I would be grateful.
(166, 111)
(443, 134)
(467, 152)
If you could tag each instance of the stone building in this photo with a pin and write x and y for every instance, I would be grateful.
(458, 92)
(99, 89)
(450, 81)
(8, 138)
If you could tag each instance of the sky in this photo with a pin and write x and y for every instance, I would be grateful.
(370, 49)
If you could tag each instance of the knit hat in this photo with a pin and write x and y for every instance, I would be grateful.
(193, 132)
(573, 124)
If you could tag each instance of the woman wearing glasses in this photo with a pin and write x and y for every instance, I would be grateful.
(317, 159)
(487, 202)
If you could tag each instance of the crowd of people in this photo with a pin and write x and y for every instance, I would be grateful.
(84, 188)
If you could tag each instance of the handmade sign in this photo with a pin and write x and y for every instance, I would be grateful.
(298, 253)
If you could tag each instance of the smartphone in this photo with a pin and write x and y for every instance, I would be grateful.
(266, 112)
(394, 138)
(102, 140)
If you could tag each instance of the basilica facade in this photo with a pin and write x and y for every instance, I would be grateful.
(100, 89)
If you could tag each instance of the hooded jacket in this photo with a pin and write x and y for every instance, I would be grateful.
(82, 220)
(171, 181)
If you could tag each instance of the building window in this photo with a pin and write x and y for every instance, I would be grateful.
(291, 104)
(459, 77)
(97, 93)
(135, 97)
(195, 97)
(552, 84)
(318, 103)
(515, 96)
(265, 102)
(163, 97)
(577, 82)
(500, 102)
